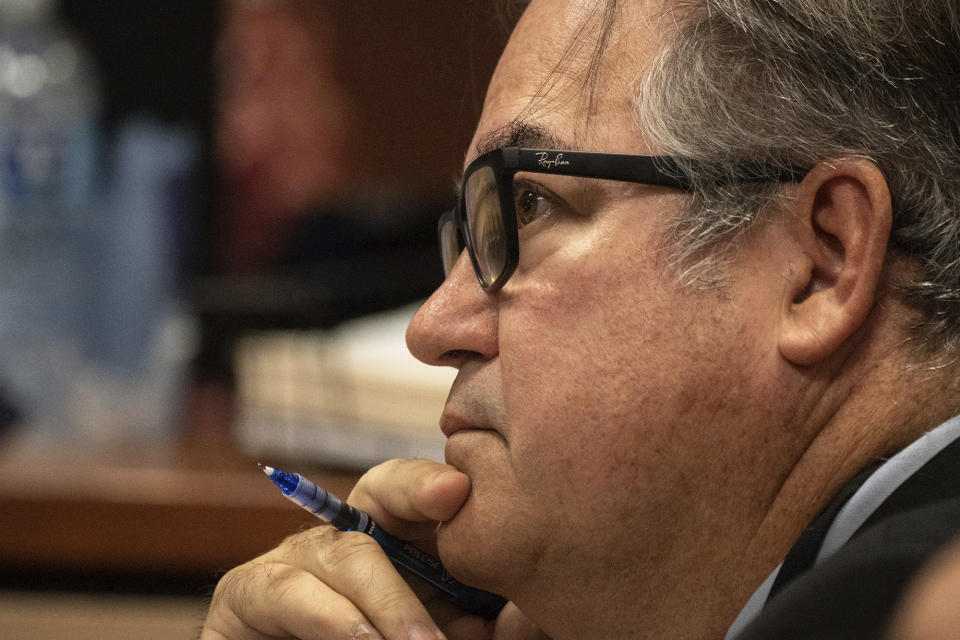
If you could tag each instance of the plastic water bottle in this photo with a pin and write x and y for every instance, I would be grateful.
(49, 159)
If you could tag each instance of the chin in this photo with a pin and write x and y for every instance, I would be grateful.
(470, 551)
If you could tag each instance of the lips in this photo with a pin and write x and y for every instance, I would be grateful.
(473, 403)
(451, 424)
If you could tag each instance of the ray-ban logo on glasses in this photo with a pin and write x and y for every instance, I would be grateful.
(551, 163)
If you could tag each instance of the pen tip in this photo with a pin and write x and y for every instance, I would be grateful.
(267, 470)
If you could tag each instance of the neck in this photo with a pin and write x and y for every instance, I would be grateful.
(864, 415)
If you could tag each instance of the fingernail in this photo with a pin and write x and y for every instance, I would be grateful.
(423, 632)
(363, 632)
(444, 473)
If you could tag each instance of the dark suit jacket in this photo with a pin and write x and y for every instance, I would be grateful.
(853, 594)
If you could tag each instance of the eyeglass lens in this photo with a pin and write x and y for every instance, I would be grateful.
(450, 246)
(484, 222)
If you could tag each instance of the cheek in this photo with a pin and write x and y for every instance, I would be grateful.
(611, 373)
(576, 350)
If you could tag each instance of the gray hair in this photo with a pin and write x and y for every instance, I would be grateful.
(795, 82)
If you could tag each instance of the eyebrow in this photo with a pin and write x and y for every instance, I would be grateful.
(520, 133)
(517, 133)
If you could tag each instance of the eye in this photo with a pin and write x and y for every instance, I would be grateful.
(531, 202)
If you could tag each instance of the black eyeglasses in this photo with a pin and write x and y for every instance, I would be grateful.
(485, 218)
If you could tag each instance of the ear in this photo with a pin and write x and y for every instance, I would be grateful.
(840, 227)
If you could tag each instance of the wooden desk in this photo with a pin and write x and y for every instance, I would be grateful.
(197, 510)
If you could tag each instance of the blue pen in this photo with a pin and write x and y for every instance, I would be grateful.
(331, 509)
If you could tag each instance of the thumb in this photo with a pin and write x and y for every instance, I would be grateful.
(404, 495)
(443, 493)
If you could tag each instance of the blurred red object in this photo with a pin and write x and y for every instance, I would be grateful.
(285, 123)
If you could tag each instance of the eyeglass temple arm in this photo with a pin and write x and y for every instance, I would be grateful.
(654, 170)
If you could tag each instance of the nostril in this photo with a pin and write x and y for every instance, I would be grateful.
(455, 356)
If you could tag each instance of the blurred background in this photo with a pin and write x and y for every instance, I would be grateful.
(216, 219)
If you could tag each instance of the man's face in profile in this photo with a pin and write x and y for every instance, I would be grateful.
(599, 405)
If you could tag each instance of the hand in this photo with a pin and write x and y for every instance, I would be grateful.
(326, 584)
(928, 609)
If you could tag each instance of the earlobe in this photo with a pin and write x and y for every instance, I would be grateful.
(840, 228)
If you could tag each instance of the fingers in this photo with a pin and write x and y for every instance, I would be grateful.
(271, 600)
(321, 583)
(325, 583)
(511, 624)
(400, 492)
(354, 565)
(514, 624)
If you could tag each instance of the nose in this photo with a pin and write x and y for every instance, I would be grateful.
(457, 323)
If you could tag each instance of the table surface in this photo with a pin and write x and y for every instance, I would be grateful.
(85, 616)
(196, 506)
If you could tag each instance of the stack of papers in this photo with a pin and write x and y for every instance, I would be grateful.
(350, 397)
